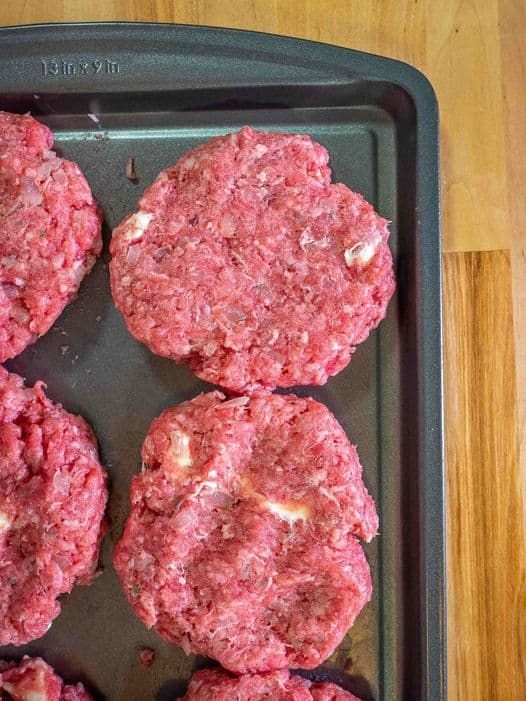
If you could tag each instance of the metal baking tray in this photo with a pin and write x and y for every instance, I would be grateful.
(111, 91)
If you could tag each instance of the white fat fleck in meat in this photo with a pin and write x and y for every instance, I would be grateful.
(8, 261)
(335, 345)
(32, 695)
(274, 337)
(179, 450)
(79, 270)
(361, 252)
(28, 695)
(227, 531)
(306, 239)
(136, 225)
(5, 522)
(290, 512)
(206, 484)
(236, 402)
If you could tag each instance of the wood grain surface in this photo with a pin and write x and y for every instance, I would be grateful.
(513, 50)
(475, 55)
(486, 585)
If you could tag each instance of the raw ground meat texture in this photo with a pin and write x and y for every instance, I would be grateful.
(52, 500)
(34, 680)
(245, 262)
(273, 686)
(50, 230)
(242, 539)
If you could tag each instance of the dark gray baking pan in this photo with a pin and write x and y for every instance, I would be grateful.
(111, 91)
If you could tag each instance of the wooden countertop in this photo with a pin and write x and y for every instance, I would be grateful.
(475, 56)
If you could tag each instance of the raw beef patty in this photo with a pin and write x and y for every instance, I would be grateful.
(52, 500)
(242, 538)
(244, 261)
(274, 686)
(50, 232)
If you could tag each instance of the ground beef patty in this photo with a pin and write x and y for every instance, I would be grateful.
(274, 686)
(52, 500)
(242, 539)
(246, 262)
(34, 680)
(50, 230)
